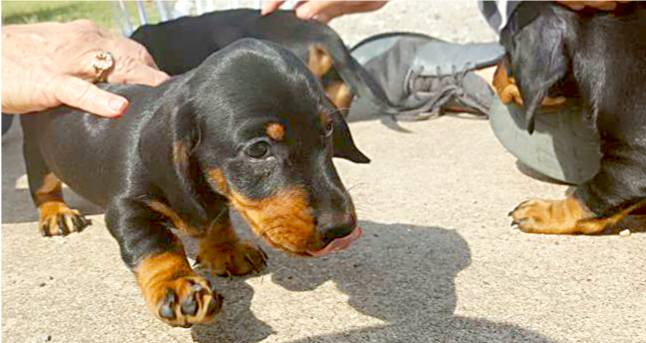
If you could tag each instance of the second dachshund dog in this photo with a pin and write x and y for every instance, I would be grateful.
(182, 44)
(602, 58)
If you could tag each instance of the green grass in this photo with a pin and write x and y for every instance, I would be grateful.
(101, 12)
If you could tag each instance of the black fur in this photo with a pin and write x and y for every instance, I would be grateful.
(604, 54)
(216, 110)
(180, 45)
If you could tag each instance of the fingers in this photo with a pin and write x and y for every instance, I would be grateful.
(86, 96)
(133, 64)
(271, 6)
(140, 74)
(600, 5)
(325, 11)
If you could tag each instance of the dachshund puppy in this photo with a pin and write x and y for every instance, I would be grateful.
(182, 44)
(249, 128)
(602, 58)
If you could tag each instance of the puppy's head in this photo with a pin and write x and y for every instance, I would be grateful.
(535, 40)
(262, 134)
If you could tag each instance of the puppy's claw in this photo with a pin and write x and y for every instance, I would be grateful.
(189, 306)
(165, 310)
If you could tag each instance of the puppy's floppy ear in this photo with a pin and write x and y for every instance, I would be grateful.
(342, 141)
(166, 144)
(536, 50)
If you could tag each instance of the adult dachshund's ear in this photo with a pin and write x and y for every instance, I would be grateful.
(537, 55)
(342, 141)
(167, 142)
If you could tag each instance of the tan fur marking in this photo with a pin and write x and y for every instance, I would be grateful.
(219, 181)
(508, 91)
(170, 272)
(54, 216)
(177, 221)
(51, 190)
(340, 94)
(222, 252)
(568, 216)
(276, 131)
(319, 61)
(52, 208)
(284, 219)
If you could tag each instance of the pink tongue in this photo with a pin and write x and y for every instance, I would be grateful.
(339, 243)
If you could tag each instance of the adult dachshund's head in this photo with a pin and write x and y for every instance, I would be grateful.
(535, 39)
(252, 125)
(594, 55)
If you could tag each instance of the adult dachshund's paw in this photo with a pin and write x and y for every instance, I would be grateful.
(236, 258)
(58, 219)
(184, 301)
(567, 216)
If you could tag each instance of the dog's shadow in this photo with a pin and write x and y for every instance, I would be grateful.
(403, 275)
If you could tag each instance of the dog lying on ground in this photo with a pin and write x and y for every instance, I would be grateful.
(250, 127)
(602, 56)
(182, 44)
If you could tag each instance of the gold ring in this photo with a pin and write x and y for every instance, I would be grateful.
(102, 64)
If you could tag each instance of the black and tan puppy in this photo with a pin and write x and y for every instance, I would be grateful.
(603, 56)
(182, 44)
(250, 127)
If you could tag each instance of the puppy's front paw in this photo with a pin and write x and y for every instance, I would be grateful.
(235, 258)
(553, 217)
(58, 219)
(184, 301)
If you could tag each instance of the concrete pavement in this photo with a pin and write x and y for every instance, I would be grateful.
(438, 261)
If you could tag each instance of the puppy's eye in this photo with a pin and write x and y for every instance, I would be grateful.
(258, 150)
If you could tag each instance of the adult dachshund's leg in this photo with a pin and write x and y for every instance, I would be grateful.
(173, 291)
(617, 190)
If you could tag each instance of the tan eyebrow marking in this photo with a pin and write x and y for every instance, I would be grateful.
(276, 131)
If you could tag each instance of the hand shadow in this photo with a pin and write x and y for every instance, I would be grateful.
(402, 274)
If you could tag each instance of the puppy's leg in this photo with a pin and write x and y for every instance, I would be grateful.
(614, 193)
(223, 253)
(55, 217)
(172, 290)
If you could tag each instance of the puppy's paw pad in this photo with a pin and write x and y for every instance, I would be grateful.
(186, 301)
(56, 219)
(238, 258)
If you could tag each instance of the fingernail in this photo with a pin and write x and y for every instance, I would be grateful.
(118, 105)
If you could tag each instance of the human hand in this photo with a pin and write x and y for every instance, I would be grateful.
(50, 64)
(324, 11)
(600, 5)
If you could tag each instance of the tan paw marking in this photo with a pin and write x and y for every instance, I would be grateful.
(567, 216)
(175, 293)
(58, 219)
(231, 258)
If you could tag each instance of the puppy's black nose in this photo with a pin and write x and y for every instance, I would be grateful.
(332, 227)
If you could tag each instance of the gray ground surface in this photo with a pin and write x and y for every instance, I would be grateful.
(438, 261)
